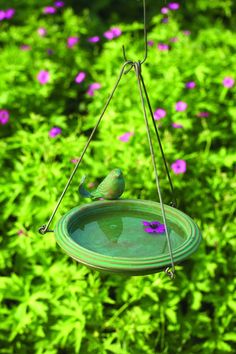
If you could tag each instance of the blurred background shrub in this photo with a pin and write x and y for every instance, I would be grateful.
(58, 63)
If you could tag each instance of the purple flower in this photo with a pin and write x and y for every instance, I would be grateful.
(53, 132)
(154, 227)
(150, 43)
(112, 33)
(21, 233)
(162, 46)
(59, 3)
(93, 87)
(203, 114)
(165, 20)
(9, 13)
(186, 32)
(125, 137)
(108, 35)
(164, 10)
(71, 41)
(4, 116)
(80, 77)
(94, 39)
(2, 15)
(49, 10)
(179, 166)
(50, 51)
(25, 47)
(75, 160)
(228, 82)
(174, 39)
(181, 106)
(41, 31)
(43, 77)
(190, 85)
(177, 125)
(159, 113)
(116, 31)
(173, 6)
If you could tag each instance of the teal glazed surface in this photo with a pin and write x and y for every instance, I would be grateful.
(109, 236)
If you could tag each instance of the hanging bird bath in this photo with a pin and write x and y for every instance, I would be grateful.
(110, 235)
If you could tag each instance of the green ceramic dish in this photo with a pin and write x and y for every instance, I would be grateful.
(109, 236)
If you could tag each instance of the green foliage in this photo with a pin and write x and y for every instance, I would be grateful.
(49, 303)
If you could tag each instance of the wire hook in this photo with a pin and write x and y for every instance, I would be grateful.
(145, 37)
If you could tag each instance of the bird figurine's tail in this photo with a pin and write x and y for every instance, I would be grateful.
(82, 191)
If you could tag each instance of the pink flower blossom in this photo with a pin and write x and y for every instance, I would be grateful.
(93, 87)
(150, 43)
(25, 47)
(72, 41)
(159, 113)
(21, 233)
(116, 31)
(153, 227)
(190, 85)
(125, 137)
(53, 132)
(179, 166)
(75, 160)
(94, 39)
(164, 10)
(186, 32)
(181, 106)
(177, 125)
(49, 10)
(108, 35)
(43, 77)
(174, 39)
(80, 77)
(59, 3)
(162, 46)
(165, 20)
(112, 33)
(41, 31)
(228, 82)
(4, 116)
(203, 114)
(9, 13)
(2, 15)
(173, 6)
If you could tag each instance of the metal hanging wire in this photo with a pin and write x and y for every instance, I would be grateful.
(144, 36)
(45, 228)
(127, 67)
(174, 201)
(137, 68)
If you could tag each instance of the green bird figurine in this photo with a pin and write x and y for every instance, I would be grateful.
(110, 188)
